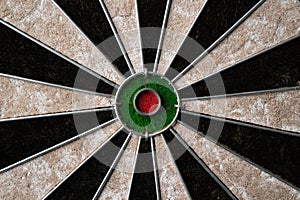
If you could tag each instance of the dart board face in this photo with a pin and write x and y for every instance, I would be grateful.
(150, 99)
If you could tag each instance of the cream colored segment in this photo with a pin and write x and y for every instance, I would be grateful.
(272, 23)
(280, 110)
(243, 179)
(165, 59)
(182, 15)
(118, 185)
(124, 17)
(44, 21)
(171, 186)
(24, 98)
(34, 179)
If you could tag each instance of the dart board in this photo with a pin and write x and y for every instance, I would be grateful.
(150, 99)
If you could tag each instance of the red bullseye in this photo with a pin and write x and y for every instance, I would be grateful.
(147, 101)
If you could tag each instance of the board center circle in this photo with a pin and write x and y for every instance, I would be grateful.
(147, 101)
(147, 104)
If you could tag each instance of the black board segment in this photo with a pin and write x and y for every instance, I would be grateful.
(151, 15)
(200, 183)
(216, 18)
(26, 137)
(272, 69)
(143, 181)
(89, 16)
(20, 56)
(85, 181)
(274, 151)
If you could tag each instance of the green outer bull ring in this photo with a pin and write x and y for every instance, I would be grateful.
(124, 104)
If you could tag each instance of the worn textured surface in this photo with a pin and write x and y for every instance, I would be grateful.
(123, 14)
(45, 22)
(243, 179)
(90, 17)
(277, 68)
(275, 21)
(23, 138)
(36, 178)
(197, 178)
(119, 183)
(171, 186)
(278, 110)
(276, 151)
(215, 19)
(23, 98)
(85, 181)
(22, 57)
(181, 16)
